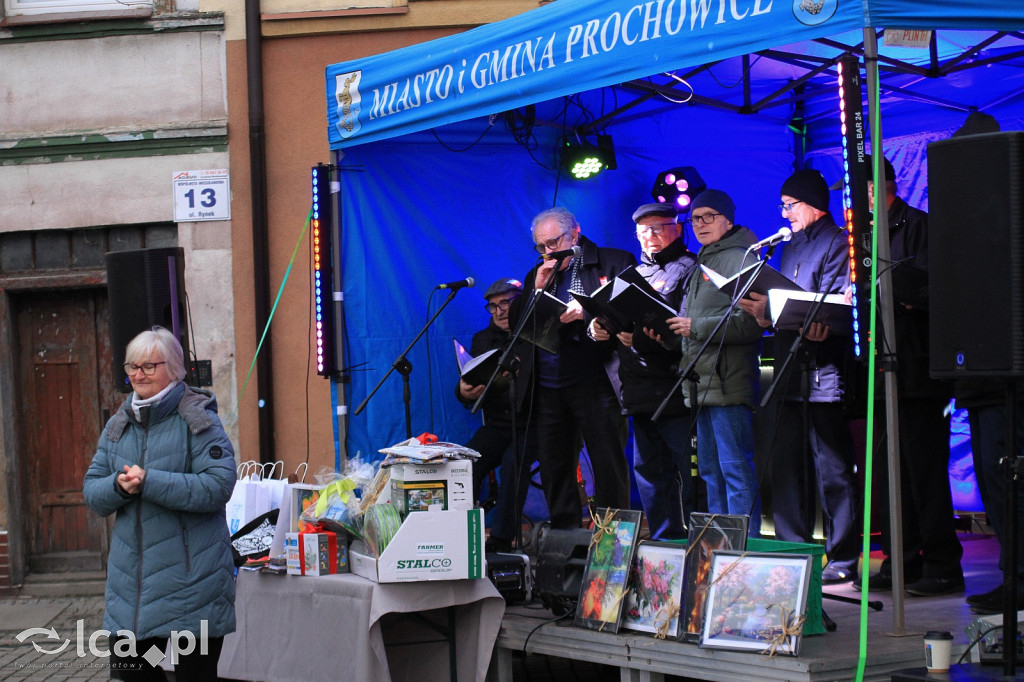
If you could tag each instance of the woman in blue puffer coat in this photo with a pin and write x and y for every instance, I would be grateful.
(165, 467)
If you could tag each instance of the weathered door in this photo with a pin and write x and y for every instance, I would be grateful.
(65, 384)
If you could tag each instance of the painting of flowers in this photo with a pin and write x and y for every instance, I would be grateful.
(655, 589)
(756, 601)
(609, 558)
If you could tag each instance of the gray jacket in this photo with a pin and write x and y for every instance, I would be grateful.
(170, 565)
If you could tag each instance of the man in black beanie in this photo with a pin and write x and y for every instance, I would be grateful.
(812, 441)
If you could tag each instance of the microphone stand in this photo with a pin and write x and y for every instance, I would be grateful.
(507, 363)
(404, 368)
(688, 373)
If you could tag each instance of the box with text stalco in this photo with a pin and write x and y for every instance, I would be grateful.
(456, 475)
(429, 545)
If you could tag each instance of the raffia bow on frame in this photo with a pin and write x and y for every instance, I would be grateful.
(602, 527)
(664, 619)
(788, 629)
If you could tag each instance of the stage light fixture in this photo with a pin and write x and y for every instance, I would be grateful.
(320, 228)
(678, 186)
(856, 218)
(584, 160)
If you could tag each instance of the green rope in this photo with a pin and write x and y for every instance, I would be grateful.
(277, 299)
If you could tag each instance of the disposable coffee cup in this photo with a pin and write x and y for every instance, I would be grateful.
(937, 646)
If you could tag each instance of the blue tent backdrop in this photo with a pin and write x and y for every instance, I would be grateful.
(446, 189)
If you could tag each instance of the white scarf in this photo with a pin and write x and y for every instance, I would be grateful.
(138, 403)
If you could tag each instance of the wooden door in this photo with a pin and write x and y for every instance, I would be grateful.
(64, 346)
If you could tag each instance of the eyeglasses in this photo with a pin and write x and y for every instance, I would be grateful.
(550, 244)
(500, 305)
(788, 208)
(655, 230)
(148, 368)
(707, 218)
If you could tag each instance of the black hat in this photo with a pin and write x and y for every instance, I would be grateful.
(718, 200)
(667, 210)
(890, 172)
(808, 186)
(503, 286)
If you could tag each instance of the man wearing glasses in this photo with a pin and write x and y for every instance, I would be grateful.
(661, 457)
(727, 371)
(493, 440)
(812, 445)
(576, 388)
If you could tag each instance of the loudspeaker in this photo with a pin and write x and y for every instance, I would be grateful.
(976, 255)
(145, 288)
(561, 562)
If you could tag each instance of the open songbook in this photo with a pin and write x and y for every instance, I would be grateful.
(542, 329)
(624, 302)
(788, 310)
(475, 371)
(767, 278)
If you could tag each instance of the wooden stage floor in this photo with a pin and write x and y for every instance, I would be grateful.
(558, 651)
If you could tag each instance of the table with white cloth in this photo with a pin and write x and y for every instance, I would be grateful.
(346, 627)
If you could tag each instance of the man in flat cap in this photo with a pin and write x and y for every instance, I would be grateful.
(812, 445)
(661, 458)
(727, 372)
(493, 440)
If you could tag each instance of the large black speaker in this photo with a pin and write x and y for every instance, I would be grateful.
(145, 288)
(976, 255)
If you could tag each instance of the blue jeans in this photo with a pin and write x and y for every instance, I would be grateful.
(725, 460)
(661, 463)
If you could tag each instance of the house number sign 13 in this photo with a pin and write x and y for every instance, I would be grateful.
(202, 195)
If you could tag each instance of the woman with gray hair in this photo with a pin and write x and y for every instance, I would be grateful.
(165, 468)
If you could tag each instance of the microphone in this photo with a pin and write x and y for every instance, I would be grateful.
(783, 235)
(567, 253)
(468, 282)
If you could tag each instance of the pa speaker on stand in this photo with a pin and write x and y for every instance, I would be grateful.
(146, 288)
(976, 255)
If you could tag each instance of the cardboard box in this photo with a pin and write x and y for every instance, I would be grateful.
(315, 554)
(456, 475)
(416, 496)
(429, 545)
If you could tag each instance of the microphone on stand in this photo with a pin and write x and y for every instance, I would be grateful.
(567, 253)
(462, 283)
(783, 235)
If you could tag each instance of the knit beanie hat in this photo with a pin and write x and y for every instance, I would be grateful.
(718, 200)
(807, 186)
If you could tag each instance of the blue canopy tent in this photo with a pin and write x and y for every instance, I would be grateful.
(447, 149)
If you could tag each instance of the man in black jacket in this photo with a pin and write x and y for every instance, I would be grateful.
(494, 439)
(574, 391)
(661, 456)
(931, 548)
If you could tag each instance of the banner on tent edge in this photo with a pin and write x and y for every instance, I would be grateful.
(554, 50)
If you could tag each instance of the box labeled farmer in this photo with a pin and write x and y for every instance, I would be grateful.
(429, 545)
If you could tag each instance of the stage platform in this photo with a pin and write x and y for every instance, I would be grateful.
(636, 656)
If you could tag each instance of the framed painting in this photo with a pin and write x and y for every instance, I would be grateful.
(756, 601)
(708, 532)
(655, 589)
(605, 578)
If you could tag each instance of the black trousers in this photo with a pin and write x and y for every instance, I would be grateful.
(825, 472)
(931, 548)
(589, 410)
(193, 667)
